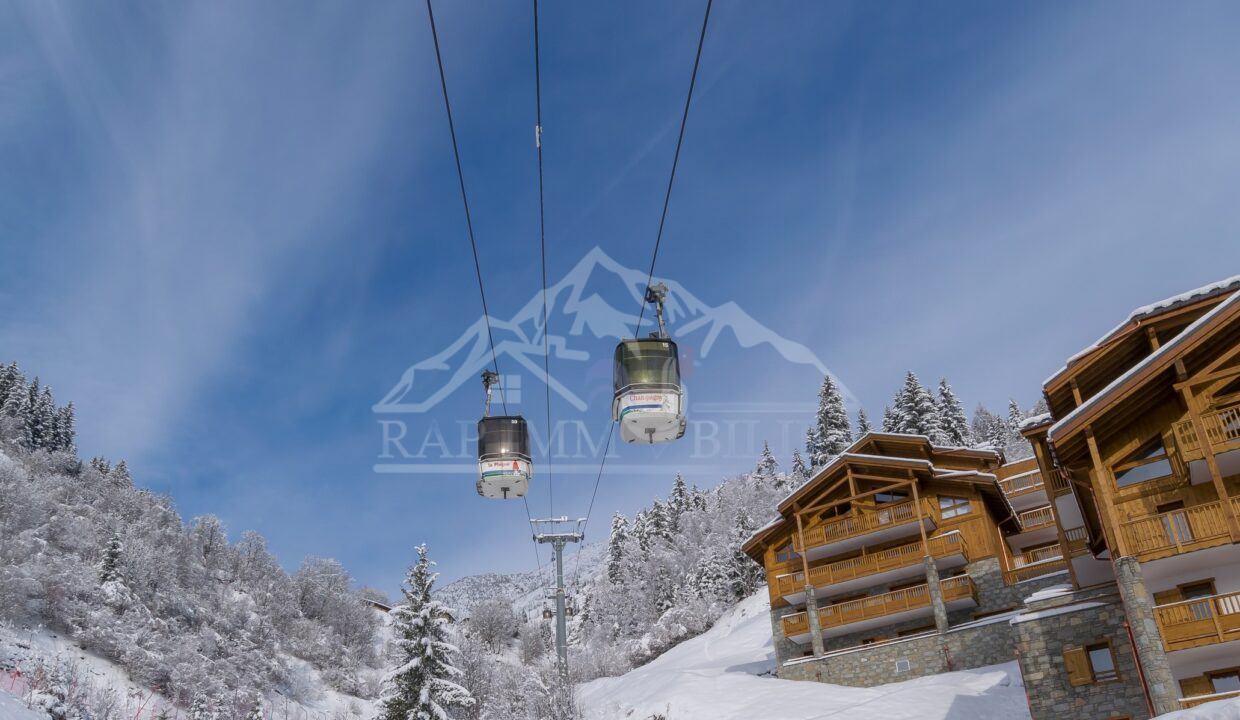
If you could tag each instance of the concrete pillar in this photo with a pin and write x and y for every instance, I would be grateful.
(936, 594)
(811, 611)
(1139, 608)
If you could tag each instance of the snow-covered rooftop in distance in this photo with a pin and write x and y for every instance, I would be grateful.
(1216, 288)
(1033, 421)
(1047, 593)
(1169, 348)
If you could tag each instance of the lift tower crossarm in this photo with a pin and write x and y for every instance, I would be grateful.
(557, 541)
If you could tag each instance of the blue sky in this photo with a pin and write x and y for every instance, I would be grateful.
(226, 229)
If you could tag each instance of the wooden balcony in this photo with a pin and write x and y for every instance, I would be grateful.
(1192, 702)
(863, 526)
(1222, 433)
(1022, 484)
(1036, 518)
(837, 574)
(1204, 621)
(1178, 531)
(1078, 540)
(1060, 483)
(841, 618)
(1034, 564)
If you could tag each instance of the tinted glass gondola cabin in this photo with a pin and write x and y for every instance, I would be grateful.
(504, 462)
(649, 399)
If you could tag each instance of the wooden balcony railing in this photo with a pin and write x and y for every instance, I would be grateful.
(796, 624)
(1040, 555)
(1036, 570)
(1036, 518)
(1203, 621)
(861, 521)
(1192, 702)
(1177, 531)
(1078, 540)
(1021, 484)
(877, 606)
(1060, 482)
(1035, 563)
(874, 563)
(1222, 428)
(890, 603)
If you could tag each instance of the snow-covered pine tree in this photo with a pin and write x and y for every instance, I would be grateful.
(863, 424)
(660, 523)
(43, 419)
(890, 421)
(713, 577)
(767, 469)
(678, 502)
(914, 410)
(986, 426)
(744, 574)
(800, 471)
(119, 474)
(1014, 417)
(616, 543)
(201, 709)
(832, 432)
(66, 431)
(10, 377)
(256, 712)
(953, 425)
(110, 564)
(699, 498)
(421, 687)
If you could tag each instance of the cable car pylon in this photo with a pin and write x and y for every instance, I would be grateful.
(649, 401)
(504, 462)
(557, 540)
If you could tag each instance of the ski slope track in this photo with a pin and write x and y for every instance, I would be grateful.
(726, 674)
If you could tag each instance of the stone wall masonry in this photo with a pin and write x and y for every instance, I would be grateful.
(976, 645)
(1041, 638)
(785, 649)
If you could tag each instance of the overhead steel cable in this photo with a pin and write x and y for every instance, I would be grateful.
(469, 222)
(667, 199)
(680, 139)
(542, 251)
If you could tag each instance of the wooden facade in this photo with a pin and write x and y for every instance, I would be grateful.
(1144, 434)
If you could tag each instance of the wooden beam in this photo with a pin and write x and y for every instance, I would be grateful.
(1207, 449)
(852, 481)
(1105, 483)
(1076, 393)
(921, 524)
(1153, 338)
(804, 551)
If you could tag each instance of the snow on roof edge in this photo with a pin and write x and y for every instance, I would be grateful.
(1158, 354)
(1146, 311)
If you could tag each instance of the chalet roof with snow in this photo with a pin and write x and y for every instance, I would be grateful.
(1219, 327)
(901, 456)
(1129, 343)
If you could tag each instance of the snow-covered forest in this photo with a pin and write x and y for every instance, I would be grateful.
(215, 627)
(86, 552)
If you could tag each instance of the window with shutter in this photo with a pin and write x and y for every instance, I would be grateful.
(1076, 661)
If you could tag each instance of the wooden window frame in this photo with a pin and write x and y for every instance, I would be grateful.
(1227, 672)
(1079, 665)
(957, 502)
(1114, 673)
(793, 554)
(1122, 467)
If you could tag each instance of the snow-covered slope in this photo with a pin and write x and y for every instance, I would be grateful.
(715, 676)
(12, 709)
(525, 590)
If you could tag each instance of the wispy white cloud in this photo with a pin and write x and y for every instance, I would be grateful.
(226, 149)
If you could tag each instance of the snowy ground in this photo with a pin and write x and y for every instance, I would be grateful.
(12, 709)
(20, 648)
(716, 677)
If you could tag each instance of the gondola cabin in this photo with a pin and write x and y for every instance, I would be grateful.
(504, 463)
(649, 400)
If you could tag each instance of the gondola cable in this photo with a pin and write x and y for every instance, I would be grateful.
(469, 224)
(542, 248)
(658, 237)
(667, 198)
